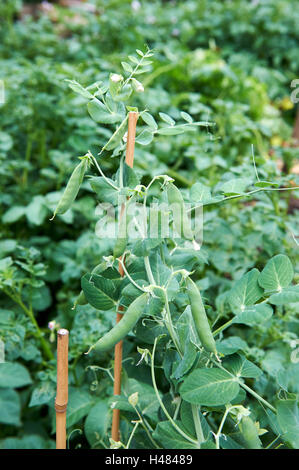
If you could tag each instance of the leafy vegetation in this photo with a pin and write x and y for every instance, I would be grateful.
(212, 89)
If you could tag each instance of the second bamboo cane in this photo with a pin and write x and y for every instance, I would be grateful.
(133, 117)
(62, 387)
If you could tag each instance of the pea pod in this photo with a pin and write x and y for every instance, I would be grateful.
(181, 221)
(72, 188)
(250, 433)
(122, 328)
(200, 318)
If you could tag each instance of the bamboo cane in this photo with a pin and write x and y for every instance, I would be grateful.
(62, 387)
(133, 117)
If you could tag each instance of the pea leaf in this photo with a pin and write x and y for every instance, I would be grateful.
(100, 113)
(246, 291)
(288, 419)
(97, 423)
(254, 315)
(100, 292)
(241, 367)
(235, 186)
(13, 375)
(170, 438)
(277, 273)
(79, 404)
(10, 407)
(211, 387)
(286, 296)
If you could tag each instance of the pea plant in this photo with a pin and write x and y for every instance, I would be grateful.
(188, 385)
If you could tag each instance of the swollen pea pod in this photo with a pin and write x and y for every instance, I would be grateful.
(200, 317)
(72, 188)
(181, 221)
(122, 328)
(250, 433)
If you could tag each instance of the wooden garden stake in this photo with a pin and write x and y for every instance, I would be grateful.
(62, 387)
(133, 117)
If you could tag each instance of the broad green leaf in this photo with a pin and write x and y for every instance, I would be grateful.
(42, 394)
(130, 178)
(235, 186)
(200, 193)
(211, 387)
(104, 190)
(288, 295)
(169, 438)
(241, 367)
(13, 214)
(77, 88)
(246, 291)
(99, 113)
(32, 441)
(97, 423)
(79, 404)
(36, 211)
(127, 67)
(287, 378)
(288, 419)
(277, 274)
(10, 407)
(99, 291)
(13, 375)
(145, 137)
(254, 315)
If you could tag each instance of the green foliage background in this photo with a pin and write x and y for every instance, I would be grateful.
(228, 62)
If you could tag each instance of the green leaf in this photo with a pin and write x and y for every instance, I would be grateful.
(231, 345)
(200, 193)
(104, 191)
(235, 186)
(149, 120)
(210, 387)
(13, 214)
(127, 67)
(188, 420)
(171, 130)
(169, 438)
(186, 117)
(77, 88)
(100, 113)
(33, 441)
(145, 137)
(10, 407)
(79, 404)
(246, 291)
(166, 118)
(254, 315)
(99, 291)
(286, 296)
(36, 211)
(266, 184)
(288, 419)
(241, 367)
(13, 375)
(42, 394)
(130, 178)
(97, 423)
(277, 273)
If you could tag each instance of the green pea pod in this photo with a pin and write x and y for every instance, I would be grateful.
(181, 220)
(115, 139)
(250, 433)
(72, 188)
(122, 328)
(200, 318)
